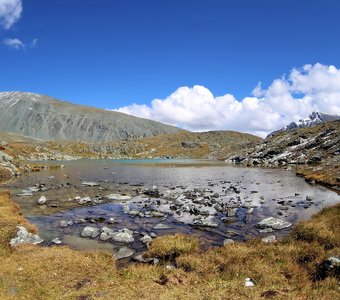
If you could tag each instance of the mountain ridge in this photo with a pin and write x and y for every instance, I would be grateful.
(47, 118)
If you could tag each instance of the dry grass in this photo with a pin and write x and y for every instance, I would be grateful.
(169, 247)
(283, 270)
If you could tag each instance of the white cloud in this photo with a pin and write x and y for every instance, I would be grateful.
(34, 43)
(14, 43)
(10, 12)
(313, 87)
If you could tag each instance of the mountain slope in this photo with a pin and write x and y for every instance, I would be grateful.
(315, 150)
(46, 118)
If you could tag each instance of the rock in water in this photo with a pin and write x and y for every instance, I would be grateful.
(123, 236)
(123, 253)
(90, 232)
(42, 200)
(273, 223)
(25, 237)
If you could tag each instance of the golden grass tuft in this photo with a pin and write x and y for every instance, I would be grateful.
(10, 217)
(323, 228)
(169, 247)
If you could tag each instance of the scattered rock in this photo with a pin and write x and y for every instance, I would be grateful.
(25, 237)
(84, 200)
(269, 239)
(123, 236)
(228, 242)
(124, 252)
(91, 184)
(161, 226)
(56, 241)
(146, 239)
(273, 223)
(42, 200)
(249, 282)
(91, 232)
(118, 197)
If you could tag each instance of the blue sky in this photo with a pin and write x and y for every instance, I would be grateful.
(111, 54)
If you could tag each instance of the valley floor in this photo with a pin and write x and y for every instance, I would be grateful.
(291, 269)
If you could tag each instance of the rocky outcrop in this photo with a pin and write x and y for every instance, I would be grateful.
(46, 118)
(314, 150)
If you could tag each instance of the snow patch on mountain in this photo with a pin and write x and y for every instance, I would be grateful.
(313, 119)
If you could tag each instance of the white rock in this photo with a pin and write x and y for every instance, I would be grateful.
(42, 200)
(273, 223)
(118, 197)
(269, 239)
(146, 239)
(25, 237)
(90, 183)
(123, 236)
(249, 282)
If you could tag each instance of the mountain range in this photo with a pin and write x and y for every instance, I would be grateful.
(46, 118)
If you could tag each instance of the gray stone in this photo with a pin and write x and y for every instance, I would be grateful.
(106, 234)
(269, 239)
(228, 242)
(118, 197)
(205, 223)
(25, 237)
(146, 239)
(273, 223)
(161, 226)
(90, 183)
(124, 252)
(123, 236)
(56, 241)
(267, 230)
(92, 232)
(84, 200)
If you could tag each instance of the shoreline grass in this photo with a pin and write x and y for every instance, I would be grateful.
(283, 270)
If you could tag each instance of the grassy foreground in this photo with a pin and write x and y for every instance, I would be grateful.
(286, 270)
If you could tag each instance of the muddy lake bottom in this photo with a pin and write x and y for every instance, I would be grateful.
(208, 199)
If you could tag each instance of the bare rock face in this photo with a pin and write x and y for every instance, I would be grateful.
(46, 118)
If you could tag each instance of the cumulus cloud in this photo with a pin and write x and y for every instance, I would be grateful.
(10, 12)
(14, 43)
(312, 87)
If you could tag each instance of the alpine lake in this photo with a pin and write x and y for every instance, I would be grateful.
(115, 204)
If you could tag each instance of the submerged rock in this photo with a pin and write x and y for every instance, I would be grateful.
(25, 237)
(161, 226)
(273, 223)
(90, 232)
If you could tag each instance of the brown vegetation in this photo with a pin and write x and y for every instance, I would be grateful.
(285, 270)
